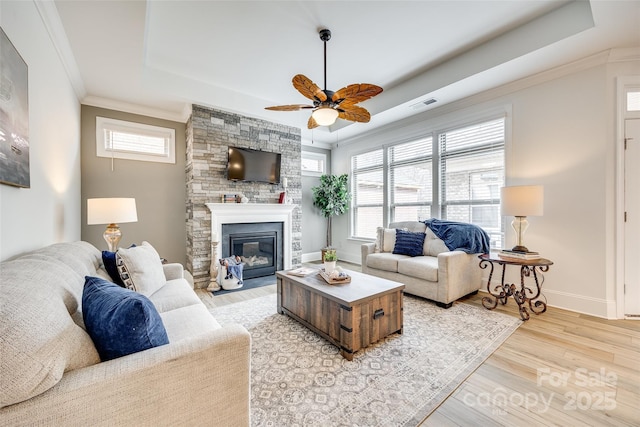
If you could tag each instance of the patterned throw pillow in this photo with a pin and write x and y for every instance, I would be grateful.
(109, 262)
(140, 269)
(409, 243)
(118, 320)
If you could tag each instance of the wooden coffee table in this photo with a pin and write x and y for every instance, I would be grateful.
(350, 315)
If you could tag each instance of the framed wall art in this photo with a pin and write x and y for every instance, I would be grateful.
(14, 116)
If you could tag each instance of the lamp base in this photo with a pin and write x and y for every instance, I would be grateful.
(112, 236)
(520, 225)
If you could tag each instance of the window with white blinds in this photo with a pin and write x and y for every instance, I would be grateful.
(367, 187)
(458, 178)
(313, 164)
(134, 141)
(471, 174)
(411, 180)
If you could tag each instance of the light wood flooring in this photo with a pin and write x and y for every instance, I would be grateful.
(559, 368)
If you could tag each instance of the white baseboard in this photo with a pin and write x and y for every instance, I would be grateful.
(597, 307)
(317, 256)
(312, 256)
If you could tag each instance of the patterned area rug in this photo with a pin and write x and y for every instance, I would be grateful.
(299, 379)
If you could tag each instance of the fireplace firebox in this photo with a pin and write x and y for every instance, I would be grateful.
(259, 246)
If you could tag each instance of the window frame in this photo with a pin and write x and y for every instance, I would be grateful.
(390, 167)
(353, 173)
(105, 124)
(312, 155)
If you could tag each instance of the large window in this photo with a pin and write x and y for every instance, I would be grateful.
(453, 174)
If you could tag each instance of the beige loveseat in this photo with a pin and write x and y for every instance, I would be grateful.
(51, 373)
(438, 274)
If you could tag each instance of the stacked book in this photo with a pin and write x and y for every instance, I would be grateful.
(302, 271)
(505, 253)
(229, 198)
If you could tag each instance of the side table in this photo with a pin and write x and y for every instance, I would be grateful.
(522, 295)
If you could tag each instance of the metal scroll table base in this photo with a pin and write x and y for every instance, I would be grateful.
(523, 295)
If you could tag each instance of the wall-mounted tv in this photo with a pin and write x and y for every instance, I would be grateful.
(245, 164)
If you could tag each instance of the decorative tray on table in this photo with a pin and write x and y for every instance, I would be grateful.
(334, 281)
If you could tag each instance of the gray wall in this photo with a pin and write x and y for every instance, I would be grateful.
(314, 225)
(159, 188)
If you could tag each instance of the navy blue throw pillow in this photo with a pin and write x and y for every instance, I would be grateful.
(109, 261)
(118, 320)
(408, 243)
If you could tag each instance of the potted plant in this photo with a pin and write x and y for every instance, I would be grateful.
(330, 259)
(332, 198)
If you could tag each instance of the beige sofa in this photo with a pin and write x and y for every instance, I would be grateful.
(438, 274)
(51, 373)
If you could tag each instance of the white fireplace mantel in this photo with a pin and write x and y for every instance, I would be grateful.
(249, 213)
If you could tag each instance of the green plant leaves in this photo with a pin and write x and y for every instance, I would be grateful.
(332, 198)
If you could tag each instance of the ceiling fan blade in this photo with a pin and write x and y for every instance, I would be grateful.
(293, 107)
(308, 88)
(353, 113)
(355, 93)
(312, 123)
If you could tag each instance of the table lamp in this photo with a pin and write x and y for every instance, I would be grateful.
(111, 211)
(520, 202)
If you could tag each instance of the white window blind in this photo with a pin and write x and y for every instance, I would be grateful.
(471, 174)
(134, 141)
(458, 179)
(411, 180)
(367, 181)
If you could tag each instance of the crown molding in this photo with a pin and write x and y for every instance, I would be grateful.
(53, 24)
(318, 144)
(112, 104)
(626, 54)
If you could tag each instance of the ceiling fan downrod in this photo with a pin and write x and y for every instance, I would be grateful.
(325, 36)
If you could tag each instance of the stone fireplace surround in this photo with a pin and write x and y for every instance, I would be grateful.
(209, 133)
(252, 213)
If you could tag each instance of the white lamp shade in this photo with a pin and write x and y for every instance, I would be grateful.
(523, 200)
(111, 211)
(325, 116)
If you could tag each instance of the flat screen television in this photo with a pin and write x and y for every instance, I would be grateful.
(245, 164)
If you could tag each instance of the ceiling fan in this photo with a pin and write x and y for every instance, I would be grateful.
(328, 105)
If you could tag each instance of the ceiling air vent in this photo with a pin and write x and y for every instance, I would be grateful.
(424, 103)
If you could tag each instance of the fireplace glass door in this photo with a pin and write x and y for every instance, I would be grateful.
(257, 251)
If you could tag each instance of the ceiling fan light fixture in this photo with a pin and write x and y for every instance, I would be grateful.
(328, 106)
(325, 116)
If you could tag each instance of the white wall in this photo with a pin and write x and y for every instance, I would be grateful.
(561, 136)
(49, 211)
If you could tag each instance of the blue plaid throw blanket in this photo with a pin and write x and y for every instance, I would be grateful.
(460, 236)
